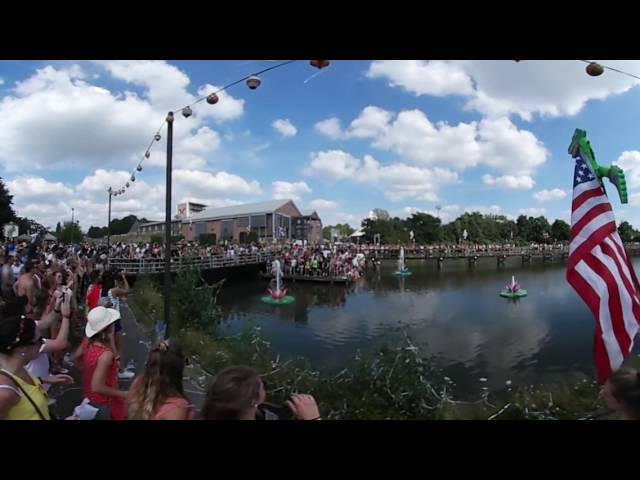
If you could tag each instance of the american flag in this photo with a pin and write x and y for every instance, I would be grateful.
(600, 271)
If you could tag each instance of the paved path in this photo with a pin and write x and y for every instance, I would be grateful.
(136, 346)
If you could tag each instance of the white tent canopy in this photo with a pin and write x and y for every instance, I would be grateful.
(357, 233)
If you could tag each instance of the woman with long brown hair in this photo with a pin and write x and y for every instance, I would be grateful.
(158, 393)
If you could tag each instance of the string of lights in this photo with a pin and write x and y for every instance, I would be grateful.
(596, 69)
(253, 81)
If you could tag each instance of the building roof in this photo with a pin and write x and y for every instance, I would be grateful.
(308, 213)
(238, 210)
(159, 222)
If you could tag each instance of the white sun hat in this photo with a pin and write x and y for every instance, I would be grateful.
(100, 318)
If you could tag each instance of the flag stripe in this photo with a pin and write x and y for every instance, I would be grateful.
(618, 243)
(583, 198)
(608, 337)
(587, 205)
(609, 247)
(603, 210)
(583, 187)
(592, 300)
(578, 250)
(626, 329)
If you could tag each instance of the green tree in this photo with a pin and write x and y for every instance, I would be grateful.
(70, 233)
(540, 227)
(28, 225)
(525, 226)
(627, 232)
(58, 229)
(344, 230)
(381, 214)
(7, 214)
(560, 230)
(97, 232)
(426, 228)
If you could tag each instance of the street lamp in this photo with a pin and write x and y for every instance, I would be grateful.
(167, 227)
(110, 191)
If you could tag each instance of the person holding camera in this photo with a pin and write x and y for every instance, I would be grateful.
(239, 393)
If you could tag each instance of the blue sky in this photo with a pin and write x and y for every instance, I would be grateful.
(400, 135)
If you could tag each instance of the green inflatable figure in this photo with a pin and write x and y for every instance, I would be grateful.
(580, 145)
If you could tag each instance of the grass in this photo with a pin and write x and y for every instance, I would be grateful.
(392, 382)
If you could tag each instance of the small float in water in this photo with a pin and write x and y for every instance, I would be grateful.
(402, 268)
(513, 290)
(277, 294)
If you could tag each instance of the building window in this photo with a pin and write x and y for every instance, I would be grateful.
(242, 222)
(258, 221)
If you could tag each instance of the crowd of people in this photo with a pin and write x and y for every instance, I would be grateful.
(53, 295)
(316, 261)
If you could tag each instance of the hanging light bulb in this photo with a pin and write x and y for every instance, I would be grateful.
(186, 112)
(133, 177)
(319, 63)
(147, 154)
(127, 184)
(157, 137)
(212, 99)
(595, 69)
(139, 168)
(253, 82)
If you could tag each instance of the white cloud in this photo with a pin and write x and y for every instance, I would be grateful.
(144, 200)
(1, 81)
(332, 217)
(398, 180)
(228, 108)
(549, 195)
(322, 204)
(521, 182)
(75, 122)
(509, 150)
(290, 190)
(37, 189)
(208, 185)
(330, 128)
(371, 122)
(190, 152)
(496, 143)
(332, 165)
(80, 123)
(484, 209)
(435, 78)
(284, 127)
(446, 214)
(532, 212)
(165, 85)
(629, 161)
(503, 87)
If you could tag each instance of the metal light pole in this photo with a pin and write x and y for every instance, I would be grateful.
(167, 228)
(109, 223)
(72, 213)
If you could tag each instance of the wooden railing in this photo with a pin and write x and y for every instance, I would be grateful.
(156, 265)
